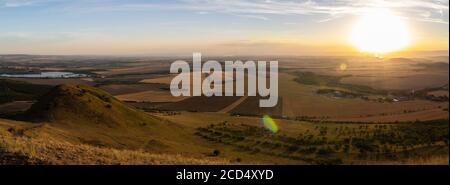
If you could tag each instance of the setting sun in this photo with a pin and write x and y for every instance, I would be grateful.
(380, 31)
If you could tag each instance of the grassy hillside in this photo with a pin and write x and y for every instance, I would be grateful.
(19, 145)
(92, 116)
(76, 124)
(79, 104)
(20, 91)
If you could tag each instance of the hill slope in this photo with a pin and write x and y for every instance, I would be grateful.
(76, 124)
(30, 144)
(84, 105)
(91, 116)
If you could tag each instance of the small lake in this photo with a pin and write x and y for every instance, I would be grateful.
(46, 75)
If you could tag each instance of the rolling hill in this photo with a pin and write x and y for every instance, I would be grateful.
(79, 104)
(77, 124)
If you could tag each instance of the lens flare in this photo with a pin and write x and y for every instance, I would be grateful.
(343, 67)
(270, 124)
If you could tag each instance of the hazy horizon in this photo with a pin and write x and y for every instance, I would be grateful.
(424, 53)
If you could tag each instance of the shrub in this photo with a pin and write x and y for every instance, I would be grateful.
(216, 152)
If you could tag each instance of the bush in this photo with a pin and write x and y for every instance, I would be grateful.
(216, 152)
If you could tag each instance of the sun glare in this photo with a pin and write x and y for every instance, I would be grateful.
(380, 31)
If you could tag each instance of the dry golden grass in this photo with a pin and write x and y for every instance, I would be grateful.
(433, 160)
(51, 151)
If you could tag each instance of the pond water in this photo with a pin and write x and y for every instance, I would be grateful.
(46, 75)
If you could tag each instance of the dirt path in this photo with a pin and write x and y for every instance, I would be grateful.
(233, 105)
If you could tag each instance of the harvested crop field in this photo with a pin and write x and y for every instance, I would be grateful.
(150, 96)
(251, 107)
(404, 82)
(201, 104)
(159, 80)
(121, 89)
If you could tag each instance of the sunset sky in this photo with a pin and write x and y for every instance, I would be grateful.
(222, 27)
